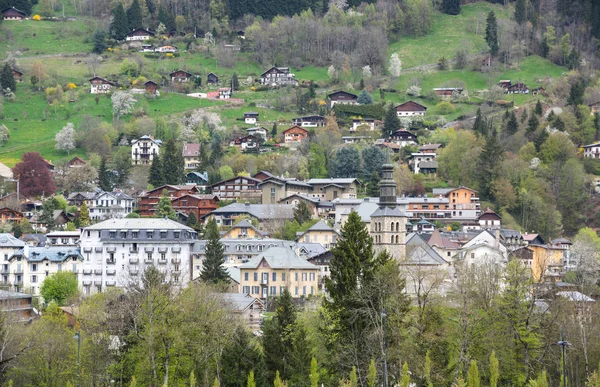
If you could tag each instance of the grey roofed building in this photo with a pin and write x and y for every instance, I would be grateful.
(418, 252)
(575, 296)
(34, 239)
(259, 211)
(386, 212)
(244, 246)
(139, 223)
(8, 240)
(364, 210)
(431, 164)
(321, 225)
(337, 180)
(279, 258)
(52, 254)
(234, 273)
(239, 301)
(310, 250)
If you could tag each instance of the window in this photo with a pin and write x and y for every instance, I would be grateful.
(312, 276)
(88, 233)
(245, 276)
(123, 234)
(255, 276)
(59, 267)
(6, 257)
(304, 290)
(273, 290)
(472, 255)
(134, 234)
(34, 278)
(163, 256)
(274, 276)
(283, 277)
(163, 234)
(304, 276)
(296, 276)
(74, 268)
(112, 234)
(312, 290)
(296, 291)
(246, 289)
(34, 267)
(149, 254)
(176, 234)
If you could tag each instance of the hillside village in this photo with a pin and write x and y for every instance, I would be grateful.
(333, 193)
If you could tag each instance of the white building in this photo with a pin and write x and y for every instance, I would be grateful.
(367, 123)
(419, 157)
(410, 109)
(144, 149)
(592, 151)
(63, 238)
(250, 118)
(139, 34)
(108, 205)
(100, 85)
(117, 251)
(257, 132)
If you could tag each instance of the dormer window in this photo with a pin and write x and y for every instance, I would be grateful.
(149, 234)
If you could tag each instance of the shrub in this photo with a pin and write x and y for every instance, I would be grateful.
(36, 17)
(445, 107)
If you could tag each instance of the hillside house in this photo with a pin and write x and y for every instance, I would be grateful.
(447, 91)
(321, 233)
(243, 230)
(517, 88)
(8, 215)
(212, 79)
(403, 138)
(198, 204)
(362, 123)
(592, 151)
(426, 158)
(463, 201)
(246, 143)
(139, 34)
(309, 121)
(76, 162)
(258, 132)
(166, 49)
(224, 92)
(295, 134)
(342, 97)
(489, 220)
(180, 76)
(248, 307)
(151, 87)
(13, 14)
(538, 90)
(504, 84)
(316, 206)
(199, 179)
(329, 189)
(190, 153)
(108, 205)
(274, 189)
(147, 202)
(144, 149)
(410, 109)
(17, 75)
(238, 188)
(264, 213)
(430, 148)
(594, 107)
(250, 118)
(100, 85)
(278, 76)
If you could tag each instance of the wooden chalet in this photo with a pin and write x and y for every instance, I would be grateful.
(309, 121)
(278, 76)
(13, 14)
(180, 76)
(151, 87)
(100, 85)
(239, 187)
(517, 88)
(410, 108)
(539, 90)
(505, 84)
(447, 91)
(76, 162)
(8, 215)
(198, 204)
(294, 134)
(139, 34)
(212, 79)
(342, 97)
(17, 75)
(250, 117)
(246, 143)
(147, 202)
(197, 178)
(403, 138)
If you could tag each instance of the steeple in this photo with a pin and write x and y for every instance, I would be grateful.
(387, 187)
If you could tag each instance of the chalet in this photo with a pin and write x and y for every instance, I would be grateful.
(244, 305)
(295, 134)
(316, 206)
(13, 14)
(342, 97)
(538, 90)
(17, 75)
(505, 84)
(212, 78)
(246, 143)
(241, 34)
(199, 179)
(274, 189)
(78, 198)
(410, 109)
(363, 123)
(61, 218)
(166, 49)
(533, 239)
(100, 85)
(423, 160)
(8, 215)
(391, 146)
(428, 167)
(224, 92)
(250, 118)
(309, 121)
(148, 201)
(403, 138)
(278, 76)
(49, 165)
(594, 107)
(190, 153)
(75, 162)
(329, 189)
(180, 76)
(447, 91)
(517, 88)
(592, 151)
(463, 201)
(430, 148)
(489, 220)
(144, 149)
(139, 34)
(19, 306)
(198, 204)
(487, 61)
(258, 132)
(151, 87)
(263, 175)
(236, 188)
(354, 139)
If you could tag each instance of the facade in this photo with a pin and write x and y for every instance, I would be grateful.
(212, 78)
(224, 92)
(245, 305)
(276, 269)
(114, 204)
(342, 97)
(422, 161)
(320, 233)
(316, 206)
(148, 201)
(198, 204)
(199, 179)
(100, 85)
(258, 132)
(309, 121)
(295, 134)
(76, 162)
(592, 150)
(403, 138)
(243, 230)
(13, 14)
(229, 215)
(490, 220)
(246, 143)
(274, 189)
(190, 153)
(165, 49)
(464, 202)
(63, 238)
(151, 87)
(18, 305)
(144, 149)
(278, 76)
(117, 251)
(237, 188)
(447, 91)
(367, 123)
(411, 109)
(250, 118)
(8, 215)
(180, 76)
(517, 88)
(139, 34)
(330, 189)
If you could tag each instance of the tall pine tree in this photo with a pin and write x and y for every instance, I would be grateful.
(164, 208)
(451, 7)
(134, 15)
(212, 269)
(489, 159)
(521, 11)
(480, 126)
(512, 125)
(104, 180)
(491, 33)
(7, 79)
(391, 123)
(172, 163)
(156, 177)
(119, 26)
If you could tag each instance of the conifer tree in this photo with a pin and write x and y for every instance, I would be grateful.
(302, 212)
(489, 158)
(539, 110)
(251, 382)
(494, 370)
(192, 220)
(235, 83)
(164, 209)
(7, 79)
(212, 269)
(314, 373)
(364, 98)
(353, 378)
(473, 375)
(427, 370)
(512, 125)
(155, 176)
(491, 33)
(372, 375)
(521, 11)
(104, 180)
(118, 26)
(451, 7)
(172, 163)
(274, 130)
(134, 15)
(84, 215)
(373, 185)
(532, 124)
(391, 123)
(540, 139)
(405, 380)
(192, 379)
(479, 125)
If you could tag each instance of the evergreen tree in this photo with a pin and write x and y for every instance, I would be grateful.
(212, 269)
(489, 159)
(405, 379)
(540, 139)
(373, 185)
(494, 370)
(364, 98)
(480, 125)
(155, 176)
(473, 375)
(99, 42)
(164, 209)
(172, 163)
(274, 130)
(576, 94)
(134, 15)
(242, 360)
(372, 375)
(491, 33)
(192, 220)
(235, 83)
(216, 151)
(84, 215)
(427, 370)
(118, 26)
(512, 125)
(251, 382)
(521, 11)
(302, 213)
(524, 116)
(7, 79)
(451, 7)
(317, 161)
(391, 122)
(559, 124)
(539, 110)
(597, 125)
(104, 180)
(532, 124)
(314, 373)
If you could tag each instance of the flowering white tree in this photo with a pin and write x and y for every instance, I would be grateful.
(366, 72)
(332, 73)
(395, 65)
(65, 139)
(123, 103)
(414, 90)
(339, 4)
(187, 135)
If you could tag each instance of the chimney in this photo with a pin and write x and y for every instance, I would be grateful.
(247, 204)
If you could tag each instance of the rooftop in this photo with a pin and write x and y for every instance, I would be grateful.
(279, 258)
(139, 223)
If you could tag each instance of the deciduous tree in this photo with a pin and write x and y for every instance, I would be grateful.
(34, 176)
(58, 287)
(65, 139)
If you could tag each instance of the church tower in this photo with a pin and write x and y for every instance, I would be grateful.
(388, 223)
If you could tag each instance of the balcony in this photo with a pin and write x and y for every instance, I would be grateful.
(176, 261)
(111, 283)
(148, 261)
(264, 281)
(98, 271)
(98, 283)
(133, 250)
(87, 283)
(18, 282)
(134, 271)
(162, 261)
(87, 271)
(111, 271)
(18, 271)
(134, 261)
(111, 261)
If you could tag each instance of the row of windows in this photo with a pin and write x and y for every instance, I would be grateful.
(272, 291)
(393, 239)
(394, 226)
(265, 276)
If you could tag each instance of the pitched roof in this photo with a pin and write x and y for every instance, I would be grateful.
(436, 239)
(432, 164)
(139, 223)
(411, 106)
(234, 273)
(388, 212)
(279, 258)
(445, 191)
(53, 254)
(5, 171)
(238, 301)
(7, 295)
(295, 127)
(336, 180)
(8, 240)
(418, 252)
(341, 92)
(321, 225)
(259, 211)
(181, 71)
(190, 150)
(198, 174)
(489, 214)
(15, 10)
(311, 250)
(141, 29)
(429, 147)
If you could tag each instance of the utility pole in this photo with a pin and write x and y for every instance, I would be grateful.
(383, 319)
(563, 343)
(78, 338)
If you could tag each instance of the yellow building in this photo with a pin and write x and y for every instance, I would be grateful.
(243, 230)
(320, 233)
(547, 262)
(268, 274)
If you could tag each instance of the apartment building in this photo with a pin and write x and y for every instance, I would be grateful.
(117, 251)
(320, 233)
(63, 238)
